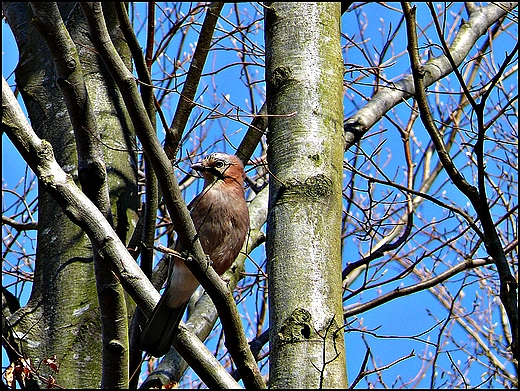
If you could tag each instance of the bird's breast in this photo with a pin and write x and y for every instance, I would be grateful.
(221, 218)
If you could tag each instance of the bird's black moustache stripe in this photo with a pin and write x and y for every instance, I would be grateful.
(216, 173)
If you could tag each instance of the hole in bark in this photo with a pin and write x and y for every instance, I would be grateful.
(306, 331)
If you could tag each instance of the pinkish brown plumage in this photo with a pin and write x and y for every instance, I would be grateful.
(221, 218)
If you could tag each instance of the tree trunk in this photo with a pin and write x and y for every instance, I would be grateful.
(62, 317)
(305, 155)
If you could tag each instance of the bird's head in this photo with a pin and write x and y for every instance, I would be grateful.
(219, 166)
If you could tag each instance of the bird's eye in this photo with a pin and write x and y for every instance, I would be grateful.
(219, 164)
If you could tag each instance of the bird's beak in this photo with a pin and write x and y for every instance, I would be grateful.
(198, 167)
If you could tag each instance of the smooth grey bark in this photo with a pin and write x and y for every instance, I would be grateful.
(187, 235)
(92, 176)
(305, 153)
(39, 155)
(62, 316)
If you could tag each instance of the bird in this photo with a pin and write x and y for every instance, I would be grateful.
(221, 218)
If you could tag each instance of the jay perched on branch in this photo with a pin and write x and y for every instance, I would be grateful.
(221, 218)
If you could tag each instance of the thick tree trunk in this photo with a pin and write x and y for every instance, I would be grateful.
(304, 95)
(62, 316)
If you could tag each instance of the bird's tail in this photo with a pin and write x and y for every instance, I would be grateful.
(158, 334)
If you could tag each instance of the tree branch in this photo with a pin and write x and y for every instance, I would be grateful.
(93, 178)
(209, 279)
(399, 292)
(19, 226)
(481, 19)
(186, 101)
(39, 155)
(477, 197)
